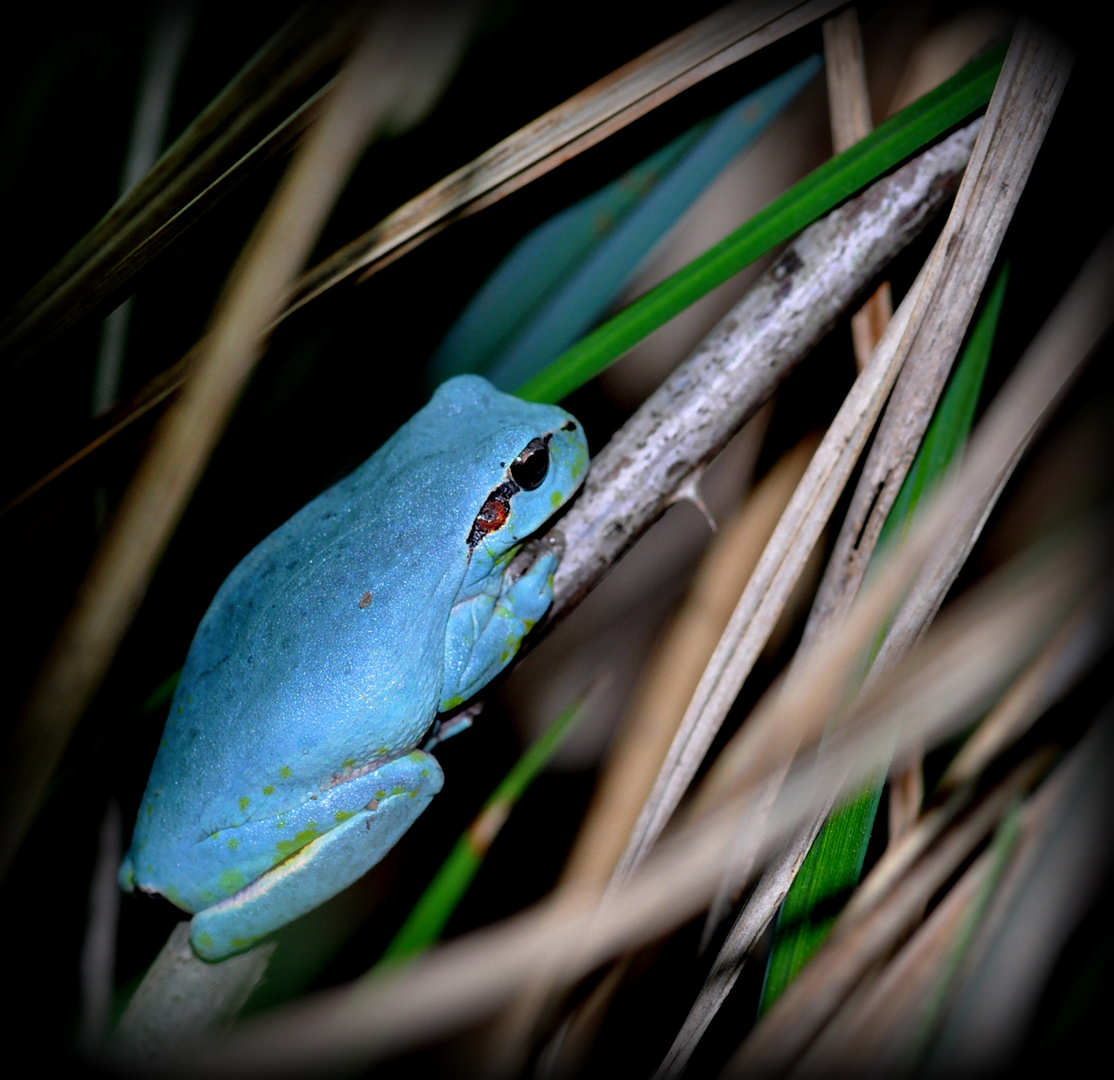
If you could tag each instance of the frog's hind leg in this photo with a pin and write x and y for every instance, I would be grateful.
(324, 866)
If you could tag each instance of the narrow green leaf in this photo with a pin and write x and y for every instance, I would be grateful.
(429, 915)
(805, 202)
(833, 864)
(561, 278)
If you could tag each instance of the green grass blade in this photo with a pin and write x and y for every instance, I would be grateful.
(833, 864)
(429, 915)
(805, 202)
(561, 278)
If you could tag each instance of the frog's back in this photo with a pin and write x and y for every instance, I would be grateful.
(323, 651)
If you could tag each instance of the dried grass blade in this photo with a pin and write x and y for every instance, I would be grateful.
(1050, 363)
(1060, 863)
(991, 633)
(729, 376)
(830, 863)
(849, 106)
(256, 116)
(937, 336)
(1032, 79)
(658, 703)
(857, 944)
(944, 306)
(885, 1025)
(391, 62)
(723, 38)
(769, 586)
(1070, 653)
(1068, 656)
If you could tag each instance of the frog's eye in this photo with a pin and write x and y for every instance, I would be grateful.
(529, 469)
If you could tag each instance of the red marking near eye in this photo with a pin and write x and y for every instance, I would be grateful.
(492, 516)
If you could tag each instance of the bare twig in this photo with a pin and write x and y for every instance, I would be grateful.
(653, 458)
(182, 999)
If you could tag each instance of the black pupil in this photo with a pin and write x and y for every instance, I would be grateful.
(529, 468)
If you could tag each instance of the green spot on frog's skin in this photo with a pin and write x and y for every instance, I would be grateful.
(343, 815)
(529, 624)
(286, 848)
(204, 941)
(424, 772)
(163, 743)
(286, 771)
(452, 703)
(269, 789)
(233, 843)
(150, 808)
(398, 791)
(242, 942)
(504, 657)
(231, 881)
(383, 750)
(179, 709)
(416, 756)
(280, 823)
(348, 763)
(380, 794)
(189, 699)
(556, 499)
(549, 582)
(244, 802)
(129, 879)
(209, 897)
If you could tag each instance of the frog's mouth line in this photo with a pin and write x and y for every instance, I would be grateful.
(339, 778)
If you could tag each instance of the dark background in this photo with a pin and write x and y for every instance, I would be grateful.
(337, 379)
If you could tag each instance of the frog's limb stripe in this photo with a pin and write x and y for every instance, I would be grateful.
(324, 866)
(476, 652)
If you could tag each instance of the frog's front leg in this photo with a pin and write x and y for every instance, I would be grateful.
(403, 789)
(485, 631)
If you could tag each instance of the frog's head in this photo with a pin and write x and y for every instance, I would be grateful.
(517, 463)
